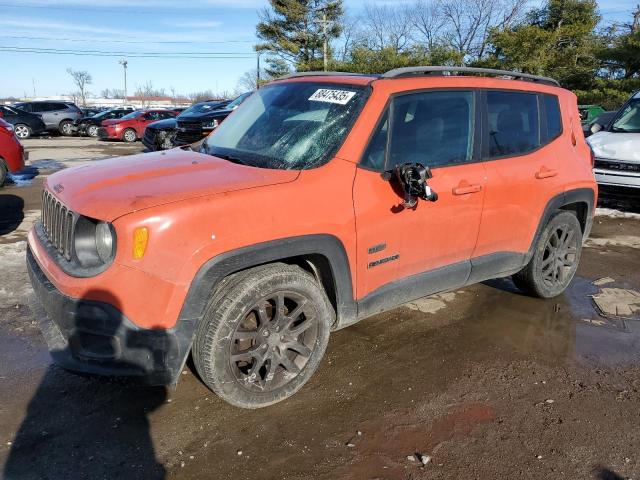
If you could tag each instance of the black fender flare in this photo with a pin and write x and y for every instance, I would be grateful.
(584, 195)
(213, 271)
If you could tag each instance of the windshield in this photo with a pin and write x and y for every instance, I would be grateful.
(202, 108)
(131, 115)
(238, 101)
(288, 126)
(628, 120)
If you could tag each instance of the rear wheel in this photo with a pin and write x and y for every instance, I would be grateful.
(263, 335)
(555, 258)
(92, 130)
(22, 131)
(129, 135)
(66, 128)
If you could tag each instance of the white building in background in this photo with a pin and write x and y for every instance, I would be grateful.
(131, 101)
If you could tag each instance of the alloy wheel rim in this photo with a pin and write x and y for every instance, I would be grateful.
(129, 136)
(559, 257)
(66, 128)
(93, 130)
(274, 342)
(21, 131)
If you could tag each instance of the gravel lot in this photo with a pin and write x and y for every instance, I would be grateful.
(480, 383)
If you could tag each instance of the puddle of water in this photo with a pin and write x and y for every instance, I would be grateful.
(47, 164)
(567, 328)
(23, 177)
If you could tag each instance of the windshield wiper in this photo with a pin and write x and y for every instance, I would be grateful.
(229, 158)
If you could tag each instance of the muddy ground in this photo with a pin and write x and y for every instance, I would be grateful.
(484, 383)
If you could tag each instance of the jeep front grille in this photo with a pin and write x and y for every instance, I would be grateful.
(58, 224)
(618, 166)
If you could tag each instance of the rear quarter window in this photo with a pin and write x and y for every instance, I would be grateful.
(514, 124)
(552, 117)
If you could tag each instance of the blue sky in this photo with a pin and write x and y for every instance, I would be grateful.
(196, 26)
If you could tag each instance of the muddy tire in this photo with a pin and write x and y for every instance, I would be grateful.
(555, 259)
(129, 135)
(22, 131)
(263, 335)
(3, 172)
(66, 128)
(92, 130)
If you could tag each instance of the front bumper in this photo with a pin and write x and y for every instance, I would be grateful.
(107, 134)
(616, 173)
(96, 338)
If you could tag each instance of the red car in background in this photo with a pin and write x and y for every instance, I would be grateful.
(12, 154)
(131, 127)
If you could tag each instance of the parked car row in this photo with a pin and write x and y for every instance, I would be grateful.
(191, 126)
(616, 147)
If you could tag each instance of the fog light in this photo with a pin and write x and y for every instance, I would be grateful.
(140, 240)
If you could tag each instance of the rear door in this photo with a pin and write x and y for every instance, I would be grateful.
(522, 143)
(398, 244)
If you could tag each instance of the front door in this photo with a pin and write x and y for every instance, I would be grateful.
(426, 248)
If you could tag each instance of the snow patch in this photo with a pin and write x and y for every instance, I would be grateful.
(15, 286)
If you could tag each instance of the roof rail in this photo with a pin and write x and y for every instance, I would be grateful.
(438, 70)
(321, 74)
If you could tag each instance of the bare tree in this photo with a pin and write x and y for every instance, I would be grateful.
(387, 27)
(82, 79)
(428, 21)
(351, 34)
(468, 22)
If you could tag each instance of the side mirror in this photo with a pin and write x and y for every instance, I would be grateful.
(596, 127)
(413, 179)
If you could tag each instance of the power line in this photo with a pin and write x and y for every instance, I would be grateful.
(88, 40)
(123, 11)
(101, 52)
(132, 55)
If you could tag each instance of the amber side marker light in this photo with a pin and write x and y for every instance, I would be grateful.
(140, 240)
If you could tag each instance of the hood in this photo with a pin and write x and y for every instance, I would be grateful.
(221, 112)
(616, 146)
(167, 123)
(111, 188)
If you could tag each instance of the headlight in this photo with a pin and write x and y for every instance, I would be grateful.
(94, 242)
(104, 241)
(211, 124)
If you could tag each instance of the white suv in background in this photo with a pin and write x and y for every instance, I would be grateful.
(616, 147)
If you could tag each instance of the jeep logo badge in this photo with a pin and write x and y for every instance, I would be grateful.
(58, 188)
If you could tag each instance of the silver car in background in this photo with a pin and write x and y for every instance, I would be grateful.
(57, 116)
(616, 148)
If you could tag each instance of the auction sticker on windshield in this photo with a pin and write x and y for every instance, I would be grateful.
(341, 97)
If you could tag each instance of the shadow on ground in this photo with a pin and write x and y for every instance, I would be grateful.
(11, 213)
(84, 427)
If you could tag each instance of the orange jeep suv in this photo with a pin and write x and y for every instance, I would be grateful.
(322, 200)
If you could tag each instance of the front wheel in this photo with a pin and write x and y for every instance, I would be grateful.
(66, 128)
(92, 130)
(129, 135)
(263, 335)
(555, 258)
(22, 131)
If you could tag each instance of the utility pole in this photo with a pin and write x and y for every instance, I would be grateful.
(124, 63)
(33, 82)
(636, 19)
(325, 23)
(258, 71)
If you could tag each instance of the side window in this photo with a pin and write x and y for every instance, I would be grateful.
(39, 107)
(513, 123)
(25, 107)
(434, 128)
(374, 156)
(553, 118)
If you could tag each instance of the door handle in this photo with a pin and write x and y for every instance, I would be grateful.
(545, 172)
(465, 188)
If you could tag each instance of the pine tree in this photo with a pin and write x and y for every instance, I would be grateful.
(292, 34)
